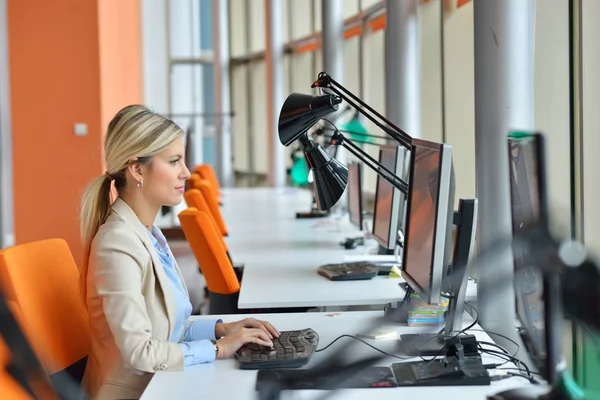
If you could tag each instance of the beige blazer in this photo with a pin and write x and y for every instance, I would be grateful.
(131, 310)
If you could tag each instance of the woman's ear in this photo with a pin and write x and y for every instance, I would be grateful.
(136, 170)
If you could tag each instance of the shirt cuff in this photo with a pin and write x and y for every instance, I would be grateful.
(198, 352)
(201, 329)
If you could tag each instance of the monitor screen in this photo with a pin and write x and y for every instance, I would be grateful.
(525, 205)
(385, 218)
(421, 214)
(355, 206)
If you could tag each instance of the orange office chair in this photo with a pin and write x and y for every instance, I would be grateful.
(222, 279)
(207, 172)
(42, 279)
(192, 183)
(207, 245)
(206, 188)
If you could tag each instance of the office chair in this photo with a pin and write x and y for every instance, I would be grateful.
(195, 199)
(207, 172)
(42, 280)
(207, 190)
(9, 387)
(222, 279)
(207, 245)
(192, 183)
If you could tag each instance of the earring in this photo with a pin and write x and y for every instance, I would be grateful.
(140, 184)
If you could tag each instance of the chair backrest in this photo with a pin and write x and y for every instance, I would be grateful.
(206, 243)
(195, 199)
(191, 181)
(207, 190)
(42, 279)
(206, 171)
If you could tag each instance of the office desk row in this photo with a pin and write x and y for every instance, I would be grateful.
(281, 253)
(224, 380)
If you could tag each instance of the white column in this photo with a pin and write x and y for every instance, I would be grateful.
(7, 232)
(333, 60)
(402, 76)
(504, 56)
(184, 74)
(222, 92)
(155, 55)
(275, 96)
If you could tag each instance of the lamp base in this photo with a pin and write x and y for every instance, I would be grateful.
(314, 213)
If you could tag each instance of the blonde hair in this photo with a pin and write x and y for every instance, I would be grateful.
(135, 132)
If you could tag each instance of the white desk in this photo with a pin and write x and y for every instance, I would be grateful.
(281, 253)
(223, 380)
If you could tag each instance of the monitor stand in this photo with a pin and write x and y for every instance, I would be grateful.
(313, 213)
(385, 252)
(457, 277)
(423, 344)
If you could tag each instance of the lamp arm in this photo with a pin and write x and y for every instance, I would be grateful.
(381, 170)
(364, 142)
(353, 133)
(324, 80)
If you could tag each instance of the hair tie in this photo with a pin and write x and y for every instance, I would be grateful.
(109, 176)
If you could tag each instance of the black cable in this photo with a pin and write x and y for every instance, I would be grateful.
(476, 311)
(531, 379)
(520, 370)
(364, 342)
(463, 331)
(502, 336)
(513, 359)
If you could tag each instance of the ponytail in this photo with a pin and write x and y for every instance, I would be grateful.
(94, 212)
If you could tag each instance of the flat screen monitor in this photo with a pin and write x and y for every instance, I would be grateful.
(536, 311)
(429, 214)
(355, 200)
(386, 214)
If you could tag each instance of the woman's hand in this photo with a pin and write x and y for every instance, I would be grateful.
(230, 344)
(228, 328)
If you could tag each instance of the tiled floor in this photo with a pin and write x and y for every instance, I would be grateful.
(194, 280)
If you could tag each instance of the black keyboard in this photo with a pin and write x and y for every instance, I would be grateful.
(351, 271)
(292, 349)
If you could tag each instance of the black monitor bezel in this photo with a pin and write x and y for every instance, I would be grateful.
(551, 295)
(407, 277)
(359, 168)
(389, 242)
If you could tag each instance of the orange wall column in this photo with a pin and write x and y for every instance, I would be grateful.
(66, 67)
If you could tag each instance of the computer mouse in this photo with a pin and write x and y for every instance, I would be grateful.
(350, 244)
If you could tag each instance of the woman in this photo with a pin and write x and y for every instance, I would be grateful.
(135, 295)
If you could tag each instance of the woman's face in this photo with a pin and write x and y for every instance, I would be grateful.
(165, 178)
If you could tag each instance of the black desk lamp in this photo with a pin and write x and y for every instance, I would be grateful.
(300, 112)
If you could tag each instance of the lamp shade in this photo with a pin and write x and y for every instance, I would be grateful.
(330, 177)
(301, 111)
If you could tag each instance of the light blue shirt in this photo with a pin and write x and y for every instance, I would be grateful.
(195, 336)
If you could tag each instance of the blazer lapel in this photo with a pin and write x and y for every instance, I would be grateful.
(124, 211)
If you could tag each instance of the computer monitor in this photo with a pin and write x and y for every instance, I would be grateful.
(537, 294)
(429, 217)
(355, 197)
(388, 200)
